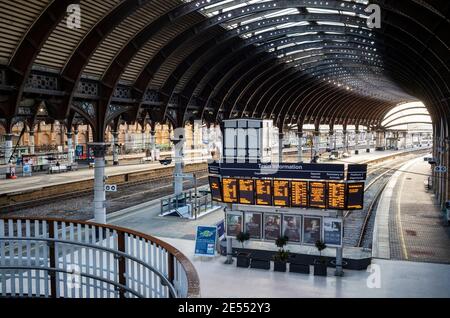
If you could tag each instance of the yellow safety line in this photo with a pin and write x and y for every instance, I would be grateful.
(399, 219)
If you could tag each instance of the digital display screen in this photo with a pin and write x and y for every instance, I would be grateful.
(216, 188)
(281, 193)
(263, 192)
(355, 196)
(336, 195)
(317, 195)
(246, 192)
(230, 190)
(299, 190)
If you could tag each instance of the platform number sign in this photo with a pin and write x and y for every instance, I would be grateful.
(111, 188)
(440, 169)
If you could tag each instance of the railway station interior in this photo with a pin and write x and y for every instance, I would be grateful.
(224, 148)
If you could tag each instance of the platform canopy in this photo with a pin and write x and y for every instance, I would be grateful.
(293, 61)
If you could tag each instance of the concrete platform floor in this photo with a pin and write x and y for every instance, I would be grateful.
(389, 279)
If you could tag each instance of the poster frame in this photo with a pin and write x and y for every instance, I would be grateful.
(278, 215)
(303, 229)
(342, 231)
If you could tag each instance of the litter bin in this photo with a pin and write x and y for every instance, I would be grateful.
(11, 172)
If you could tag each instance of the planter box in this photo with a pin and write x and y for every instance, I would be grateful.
(243, 260)
(260, 264)
(279, 266)
(299, 268)
(320, 269)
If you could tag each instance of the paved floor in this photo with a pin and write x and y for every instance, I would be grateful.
(395, 279)
(410, 224)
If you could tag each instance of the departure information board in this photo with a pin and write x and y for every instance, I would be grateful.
(216, 188)
(355, 196)
(281, 193)
(264, 192)
(299, 191)
(230, 190)
(317, 195)
(336, 195)
(246, 192)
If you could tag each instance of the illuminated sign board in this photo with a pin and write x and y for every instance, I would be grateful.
(336, 195)
(264, 192)
(216, 188)
(246, 192)
(280, 171)
(230, 190)
(355, 196)
(299, 191)
(281, 193)
(356, 172)
(317, 195)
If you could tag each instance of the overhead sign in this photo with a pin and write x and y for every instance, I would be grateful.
(332, 232)
(230, 190)
(299, 194)
(205, 241)
(356, 172)
(246, 191)
(336, 195)
(281, 193)
(110, 188)
(216, 188)
(317, 195)
(264, 192)
(355, 196)
(280, 171)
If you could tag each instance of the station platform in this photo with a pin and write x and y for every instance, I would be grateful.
(409, 225)
(386, 279)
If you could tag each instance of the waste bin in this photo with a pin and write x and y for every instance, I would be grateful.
(11, 172)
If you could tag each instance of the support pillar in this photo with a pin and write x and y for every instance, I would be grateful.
(368, 140)
(153, 144)
(380, 141)
(99, 182)
(316, 143)
(70, 151)
(115, 151)
(31, 143)
(300, 146)
(8, 148)
(178, 172)
(75, 143)
(345, 140)
(280, 147)
(143, 139)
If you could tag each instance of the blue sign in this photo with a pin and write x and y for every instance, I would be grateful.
(27, 169)
(205, 241)
(333, 232)
(79, 151)
(221, 229)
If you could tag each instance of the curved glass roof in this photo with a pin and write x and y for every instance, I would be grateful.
(335, 50)
(410, 116)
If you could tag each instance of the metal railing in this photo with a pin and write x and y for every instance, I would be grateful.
(71, 259)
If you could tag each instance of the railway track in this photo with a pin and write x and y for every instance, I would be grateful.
(359, 224)
(126, 192)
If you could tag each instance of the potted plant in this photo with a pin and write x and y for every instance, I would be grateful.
(243, 259)
(320, 265)
(280, 259)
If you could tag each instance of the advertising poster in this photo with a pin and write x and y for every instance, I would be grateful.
(311, 229)
(253, 224)
(332, 232)
(292, 227)
(205, 241)
(272, 226)
(234, 223)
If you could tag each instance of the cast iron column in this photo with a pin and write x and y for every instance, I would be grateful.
(115, 151)
(99, 182)
(8, 148)
(31, 143)
(300, 146)
(69, 147)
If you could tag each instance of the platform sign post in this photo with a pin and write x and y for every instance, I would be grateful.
(205, 241)
(333, 237)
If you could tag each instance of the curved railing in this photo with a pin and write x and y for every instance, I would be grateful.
(73, 259)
